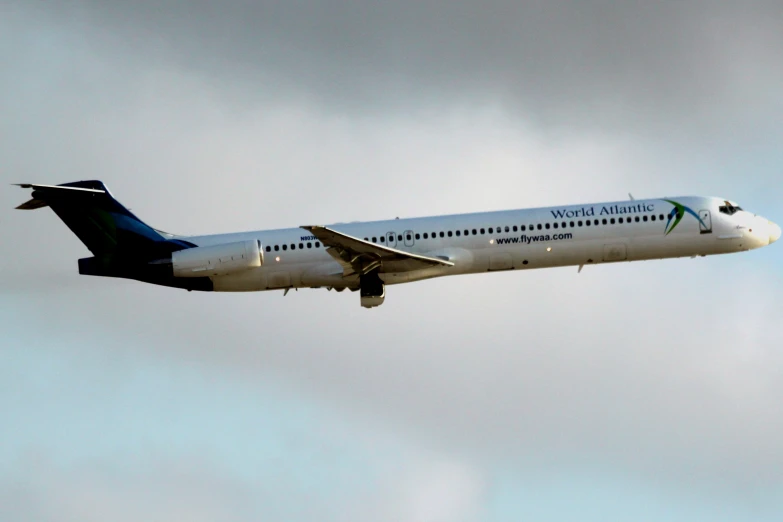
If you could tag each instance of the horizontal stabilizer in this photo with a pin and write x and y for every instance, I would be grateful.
(37, 203)
(58, 187)
(32, 204)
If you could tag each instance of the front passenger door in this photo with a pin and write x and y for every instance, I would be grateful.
(705, 223)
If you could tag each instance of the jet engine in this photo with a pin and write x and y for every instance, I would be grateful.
(217, 260)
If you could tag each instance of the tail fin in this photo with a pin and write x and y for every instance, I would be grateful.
(106, 227)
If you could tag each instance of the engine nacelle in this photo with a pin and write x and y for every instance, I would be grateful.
(217, 260)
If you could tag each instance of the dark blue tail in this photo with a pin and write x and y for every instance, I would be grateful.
(104, 226)
(121, 243)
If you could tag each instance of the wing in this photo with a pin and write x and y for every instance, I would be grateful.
(359, 257)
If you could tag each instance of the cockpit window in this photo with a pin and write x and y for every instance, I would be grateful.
(729, 209)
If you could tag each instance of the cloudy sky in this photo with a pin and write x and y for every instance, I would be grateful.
(648, 391)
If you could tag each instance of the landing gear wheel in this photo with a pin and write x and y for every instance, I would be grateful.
(371, 290)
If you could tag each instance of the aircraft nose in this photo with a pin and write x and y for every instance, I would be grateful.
(774, 232)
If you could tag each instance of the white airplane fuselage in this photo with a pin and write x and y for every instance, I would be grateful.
(507, 240)
(368, 256)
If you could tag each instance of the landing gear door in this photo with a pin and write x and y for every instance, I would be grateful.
(705, 222)
(391, 239)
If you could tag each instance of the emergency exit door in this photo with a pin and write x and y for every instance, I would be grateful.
(408, 238)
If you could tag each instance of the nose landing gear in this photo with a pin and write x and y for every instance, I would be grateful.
(371, 290)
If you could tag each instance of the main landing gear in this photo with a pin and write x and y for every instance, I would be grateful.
(371, 289)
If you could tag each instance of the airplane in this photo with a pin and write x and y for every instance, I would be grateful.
(367, 256)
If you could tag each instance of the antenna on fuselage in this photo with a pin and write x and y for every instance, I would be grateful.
(631, 196)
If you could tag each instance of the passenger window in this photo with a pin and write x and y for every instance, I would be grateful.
(644, 218)
(399, 237)
(408, 237)
(482, 231)
(434, 235)
(366, 239)
(636, 219)
(572, 224)
(620, 220)
(474, 231)
(587, 222)
(604, 221)
(489, 230)
(579, 223)
(293, 246)
(546, 226)
(652, 217)
(426, 236)
(539, 226)
(660, 216)
(268, 249)
(441, 234)
(515, 228)
(612, 221)
(564, 224)
(508, 229)
(382, 239)
(457, 232)
(522, 228)
(285, 247)
(596, 222)
(374, 239)
(301, 246)
(467, 232)
(418, 236)
(309, 245)
(449, 233)
(277, 248)
(555, 225)
(317, 244)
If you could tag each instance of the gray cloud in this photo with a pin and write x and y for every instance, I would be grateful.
(539, 370)
(168, 489)
(596, 64)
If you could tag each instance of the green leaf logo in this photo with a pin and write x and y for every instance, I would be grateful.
(676, 215)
